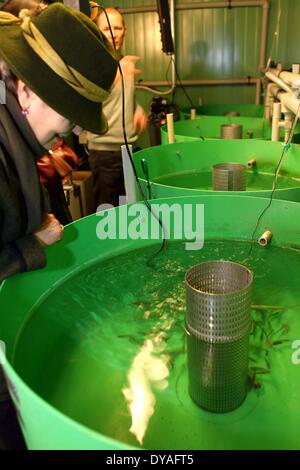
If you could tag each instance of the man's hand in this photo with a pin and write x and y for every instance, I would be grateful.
(127, 64)
(50, 231)
(140, 120)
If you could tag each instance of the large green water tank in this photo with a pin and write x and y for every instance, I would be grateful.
(42, 314)
(250, 110)
(209, 127)
(185, 168)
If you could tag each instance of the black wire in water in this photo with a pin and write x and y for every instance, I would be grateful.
(146, 202)
(274, 187)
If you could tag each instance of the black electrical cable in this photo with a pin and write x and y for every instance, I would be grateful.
(274, 187)
(181, 85)
(146, 202)
(173, 107)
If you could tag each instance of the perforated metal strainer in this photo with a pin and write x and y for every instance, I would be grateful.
(229, 177)
(218, 325)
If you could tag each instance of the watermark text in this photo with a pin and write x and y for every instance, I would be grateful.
(171, 221)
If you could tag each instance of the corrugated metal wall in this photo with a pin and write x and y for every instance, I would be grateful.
(212, 44)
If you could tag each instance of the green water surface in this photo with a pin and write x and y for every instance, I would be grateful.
(256, 181)
(119, 324)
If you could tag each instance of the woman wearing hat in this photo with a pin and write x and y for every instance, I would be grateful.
(57, 71)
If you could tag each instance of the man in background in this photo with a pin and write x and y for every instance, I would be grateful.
(105, 157)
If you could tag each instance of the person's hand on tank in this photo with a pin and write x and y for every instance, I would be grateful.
(50, 231)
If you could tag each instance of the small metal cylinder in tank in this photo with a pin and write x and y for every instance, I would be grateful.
(231, 131)
(232, 113)
(218, 327)
(229, 177)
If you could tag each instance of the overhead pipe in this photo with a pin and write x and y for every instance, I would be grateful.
(200, 5)
(227, 81)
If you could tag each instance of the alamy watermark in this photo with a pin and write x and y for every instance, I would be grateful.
(2, 92)
(296, 354)
(171, 221)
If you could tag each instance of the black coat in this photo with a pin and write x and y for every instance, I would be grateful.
(22, 199)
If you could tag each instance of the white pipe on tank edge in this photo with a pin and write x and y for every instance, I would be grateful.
(193, 114)
(170, 128)
(276, 122)
(129, 177)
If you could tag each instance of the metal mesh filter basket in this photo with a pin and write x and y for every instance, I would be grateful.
(229, 177)
(231, 131)
(218, 327)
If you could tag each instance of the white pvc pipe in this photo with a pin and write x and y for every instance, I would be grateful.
(274, 78)
(296, 68)
(288, 123)
(265, 238)
(289, 102)
(289, 78)
(193, 114)
(271, 93)
(276, 122)
(170, 127)
(129, 177)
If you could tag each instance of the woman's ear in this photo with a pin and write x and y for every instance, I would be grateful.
(24, 95)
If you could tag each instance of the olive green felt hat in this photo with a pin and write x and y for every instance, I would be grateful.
(62, 57)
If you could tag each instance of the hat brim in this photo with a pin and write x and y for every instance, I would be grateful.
(45, 83)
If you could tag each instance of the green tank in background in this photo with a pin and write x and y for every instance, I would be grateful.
(185, 168)
(209, 127)
(250, 110)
